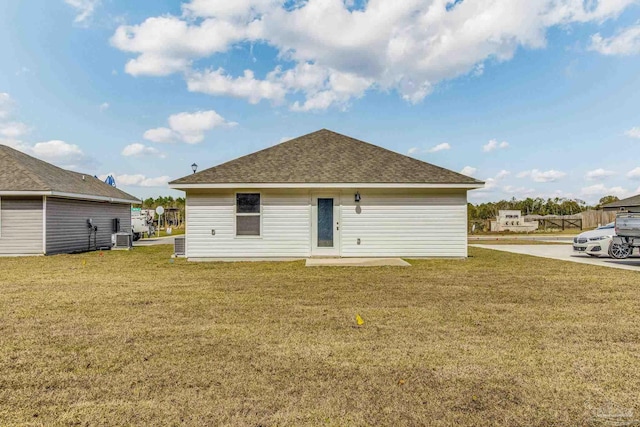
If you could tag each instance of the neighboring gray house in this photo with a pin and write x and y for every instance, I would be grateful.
(325, 194)
(631, 204)
(44, 209)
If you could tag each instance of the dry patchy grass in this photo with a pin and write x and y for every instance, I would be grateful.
(131, 339)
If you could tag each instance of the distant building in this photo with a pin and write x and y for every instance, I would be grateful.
(630, 204)
(48, 210)
(512, 220)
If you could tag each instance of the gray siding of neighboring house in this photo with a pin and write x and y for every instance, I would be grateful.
(67, 229)
(20, 226)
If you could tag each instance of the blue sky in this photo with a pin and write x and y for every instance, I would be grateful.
(538, 98)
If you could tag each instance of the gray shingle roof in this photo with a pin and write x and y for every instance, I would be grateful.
(326, 157)
(20, 172)
(633, 201)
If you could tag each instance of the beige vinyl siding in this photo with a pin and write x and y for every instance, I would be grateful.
(20, 226)
(67, 229)
(285, 228)
(404, 223)
(399, 223)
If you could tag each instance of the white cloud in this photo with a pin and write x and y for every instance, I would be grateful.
(246, 86)
(168, 44)
(104, 106)
(6, 105)
(468, 170)
(633, 132)
(59, 153)
(634, 173)
(518, 192)
(85, 9)
(226, 9)
(439, 147)
(598, 174)
(503, 174)
(322, 87)
(137, 180)
(285, 139)
(188, 127)
(161, 135)
(542, 176)
(494, 145)
(600, 190)
(404, 46)
(141, 150)
(625, 42)
(9, 130)
(413, 150)
(489, 183)
(13, 130)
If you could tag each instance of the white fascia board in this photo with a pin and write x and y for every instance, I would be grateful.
(70, 196)
(320, 185)
(24, 193)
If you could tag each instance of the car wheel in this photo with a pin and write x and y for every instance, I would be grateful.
(620, 251)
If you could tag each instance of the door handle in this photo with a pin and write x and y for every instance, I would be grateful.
(337, 226)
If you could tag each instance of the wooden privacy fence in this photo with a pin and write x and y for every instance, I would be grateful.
(584, 220)
(593, 218)
(560, 223)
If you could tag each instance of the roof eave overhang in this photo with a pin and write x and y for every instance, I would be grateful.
(618, 208)
(468, 186)
(69, 196)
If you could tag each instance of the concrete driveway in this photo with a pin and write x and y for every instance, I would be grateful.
(565, 253)
(561, 238)
(169, 240)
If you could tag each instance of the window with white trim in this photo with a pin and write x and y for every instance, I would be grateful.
(248, 214)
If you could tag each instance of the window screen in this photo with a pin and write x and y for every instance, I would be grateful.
(248, 214)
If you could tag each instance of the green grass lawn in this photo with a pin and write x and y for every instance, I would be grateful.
(132, 338)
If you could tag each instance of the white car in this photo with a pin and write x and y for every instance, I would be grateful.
(599, 242)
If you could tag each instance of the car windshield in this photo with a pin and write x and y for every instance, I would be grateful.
(610, 225)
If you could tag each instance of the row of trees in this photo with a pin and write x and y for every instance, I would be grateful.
(537, 206)
(165, 202)
(488, 210)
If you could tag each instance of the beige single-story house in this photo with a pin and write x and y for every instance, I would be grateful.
(48, 210)
(325, 195)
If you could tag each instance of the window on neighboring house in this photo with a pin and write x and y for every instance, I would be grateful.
(248, 211)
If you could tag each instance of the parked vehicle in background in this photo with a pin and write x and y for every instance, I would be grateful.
(141, 223)
(596, 242)
(627, 229)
